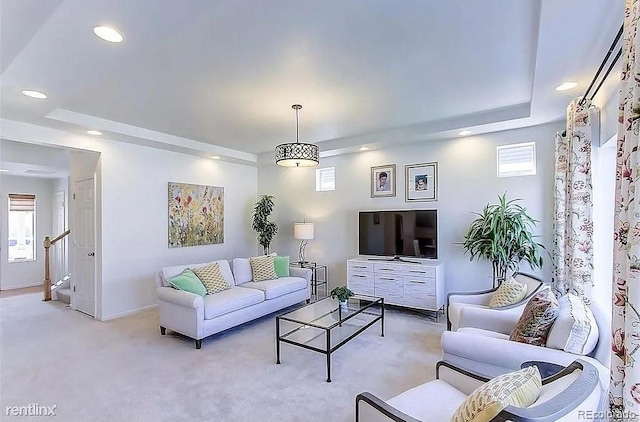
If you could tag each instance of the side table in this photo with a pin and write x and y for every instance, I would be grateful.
(315, 281)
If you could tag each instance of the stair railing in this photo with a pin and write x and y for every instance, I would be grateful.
(47, 271)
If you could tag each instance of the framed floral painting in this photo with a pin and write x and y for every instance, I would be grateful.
(383, 181)
(196, 215)
(421, 182)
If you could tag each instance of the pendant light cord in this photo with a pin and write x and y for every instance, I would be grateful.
(297, 140)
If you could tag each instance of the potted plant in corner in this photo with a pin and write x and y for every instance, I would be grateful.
(341, 293)
(502, 234)
(266, 229)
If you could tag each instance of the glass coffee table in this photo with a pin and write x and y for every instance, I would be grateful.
(325, 326)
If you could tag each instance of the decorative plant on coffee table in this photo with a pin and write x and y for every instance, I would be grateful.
(341, 293)
(266, 229)
(503, 235)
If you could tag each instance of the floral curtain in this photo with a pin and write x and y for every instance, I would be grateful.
(624, 390)
(572, 253)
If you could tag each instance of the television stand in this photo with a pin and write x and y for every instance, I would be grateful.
(395, 258)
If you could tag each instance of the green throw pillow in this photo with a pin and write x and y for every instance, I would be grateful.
(282, 265)
(189, 282)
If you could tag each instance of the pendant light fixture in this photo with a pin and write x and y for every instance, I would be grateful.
(297, 154)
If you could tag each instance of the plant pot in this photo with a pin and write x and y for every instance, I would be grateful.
(344, 305)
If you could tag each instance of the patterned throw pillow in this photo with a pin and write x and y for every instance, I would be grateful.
(509, 292)
(519, 389)
(212, 278)
(537, 318)
(575, 330)
(263, 268)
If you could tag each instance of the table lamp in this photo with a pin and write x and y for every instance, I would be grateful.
(304, 233)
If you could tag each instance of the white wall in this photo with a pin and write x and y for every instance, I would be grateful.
(466, 182)
(131, 192)
(30, 273)
(134, 218)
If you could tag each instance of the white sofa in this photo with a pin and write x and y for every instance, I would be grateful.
(199, 317)
(482, 345)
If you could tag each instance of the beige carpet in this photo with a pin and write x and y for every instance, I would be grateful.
(124, 370)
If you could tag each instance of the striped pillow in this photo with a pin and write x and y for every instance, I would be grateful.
(519, 389)
(575, 330)
(263, 268)
(212, 278)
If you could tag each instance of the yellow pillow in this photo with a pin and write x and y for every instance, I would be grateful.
(509, 292)
(519, 389)
(263, 268)
(212, 278)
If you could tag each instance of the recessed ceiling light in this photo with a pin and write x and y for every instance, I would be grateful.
(566, 86)
(363, 149)
(465, 133)
(216, 157)
(34, 94)
(108, 34)
(94, 132)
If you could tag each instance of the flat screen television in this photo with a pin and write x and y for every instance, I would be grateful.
(398, 233)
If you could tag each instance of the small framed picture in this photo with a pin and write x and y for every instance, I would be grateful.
(383, 181)
(421, 182)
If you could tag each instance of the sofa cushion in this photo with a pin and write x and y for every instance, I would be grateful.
(188, 282)
(263, 268)
(282, 265)
(278, 287)
(168, 272)
(536, 319)
(242, 269)
(575, 329)
(212, 278)
(510, 292)
(454, 311)
(483, 333)
(520, 389)
(230, 300)
(414, 402)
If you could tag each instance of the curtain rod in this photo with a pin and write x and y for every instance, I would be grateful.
(606, 58)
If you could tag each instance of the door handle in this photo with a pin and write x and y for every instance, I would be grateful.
(91, 254)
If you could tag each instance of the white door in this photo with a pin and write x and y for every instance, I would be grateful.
(59, 227)
(84, 280)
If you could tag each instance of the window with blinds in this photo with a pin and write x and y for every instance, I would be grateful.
(22, 211)
(517, 159)
(326, 179)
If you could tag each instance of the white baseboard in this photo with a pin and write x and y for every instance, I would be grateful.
(124, 314)
(21, 286)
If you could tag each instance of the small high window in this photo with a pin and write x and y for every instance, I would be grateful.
(22, 227)
(517, 159)
(326, 179)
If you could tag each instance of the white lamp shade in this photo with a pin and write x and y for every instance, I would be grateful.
(303, 231)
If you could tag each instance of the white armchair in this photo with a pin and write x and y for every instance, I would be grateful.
(572, 390)
(458, 301)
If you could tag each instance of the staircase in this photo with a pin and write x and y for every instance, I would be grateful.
(61, 290)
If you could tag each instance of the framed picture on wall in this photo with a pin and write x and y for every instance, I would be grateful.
(383, 181)
(421, 182)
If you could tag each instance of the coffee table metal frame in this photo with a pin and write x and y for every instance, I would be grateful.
(328, 350)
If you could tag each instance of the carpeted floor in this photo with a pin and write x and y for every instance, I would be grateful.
(123, 370)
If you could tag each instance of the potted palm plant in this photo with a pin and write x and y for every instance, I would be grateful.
(266, 229)
(503, 234)
(341, 293)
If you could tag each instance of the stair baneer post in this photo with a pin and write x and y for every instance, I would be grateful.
(47, 271)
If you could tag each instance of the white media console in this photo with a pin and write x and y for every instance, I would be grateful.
(416, 284)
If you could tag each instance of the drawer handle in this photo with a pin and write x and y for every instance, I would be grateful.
(360, 276)
(418, 281)
(386, 269)
(358, 266)
(418, 272)
(385, 278)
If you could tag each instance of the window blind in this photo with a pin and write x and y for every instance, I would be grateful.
(326, 179)
(22, 202)
(517, 160)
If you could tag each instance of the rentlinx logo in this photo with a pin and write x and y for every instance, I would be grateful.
(33, 409)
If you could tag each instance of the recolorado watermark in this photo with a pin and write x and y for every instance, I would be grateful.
(590, 415)
(33, 409)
